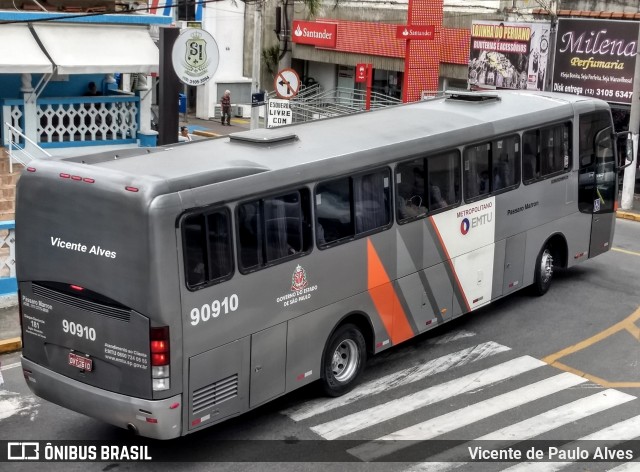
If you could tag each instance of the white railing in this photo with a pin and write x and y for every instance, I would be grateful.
(314, 103)
(21, 150)
(70, 121)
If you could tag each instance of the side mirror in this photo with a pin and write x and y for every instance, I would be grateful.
(624, 146)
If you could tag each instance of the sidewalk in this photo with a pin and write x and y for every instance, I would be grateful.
(632, 214)
(213, 128)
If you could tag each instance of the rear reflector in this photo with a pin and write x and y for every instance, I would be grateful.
(77, 287)
(65, 176)
(131, 189)
(76, 177)
(31, 169)
(88, 180)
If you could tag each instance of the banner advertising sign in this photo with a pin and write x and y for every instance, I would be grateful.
(314, 33)
(596, 58)
(508, 55)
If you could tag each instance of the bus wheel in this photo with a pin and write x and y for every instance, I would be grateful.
(544, 271)
(343, 361)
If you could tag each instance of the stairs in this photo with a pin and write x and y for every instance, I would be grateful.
(8, 181)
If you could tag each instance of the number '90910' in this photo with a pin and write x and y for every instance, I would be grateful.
(214, 309)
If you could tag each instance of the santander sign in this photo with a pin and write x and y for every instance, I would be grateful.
(314, 33)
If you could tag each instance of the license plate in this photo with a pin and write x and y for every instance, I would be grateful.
(80, 362)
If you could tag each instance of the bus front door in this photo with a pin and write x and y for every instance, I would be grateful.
(597, 179)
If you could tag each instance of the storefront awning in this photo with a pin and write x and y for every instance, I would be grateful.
(96, 49)
(20, 53)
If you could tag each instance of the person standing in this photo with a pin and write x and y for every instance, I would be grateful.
(225, 103)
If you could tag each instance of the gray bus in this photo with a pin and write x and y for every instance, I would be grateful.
(165, 290)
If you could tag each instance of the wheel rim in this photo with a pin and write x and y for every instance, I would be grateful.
(546, 266)
(344, 363)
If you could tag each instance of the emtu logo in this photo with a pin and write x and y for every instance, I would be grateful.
(464, 226)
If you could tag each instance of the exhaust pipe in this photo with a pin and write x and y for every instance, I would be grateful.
(131, 427)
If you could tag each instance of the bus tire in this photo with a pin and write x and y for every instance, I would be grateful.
(344, 360)
(544, 271)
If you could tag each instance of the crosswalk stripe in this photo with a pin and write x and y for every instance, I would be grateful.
(618, 433)
(435, 466)
(545, 422)
(397, 379)
(465, 416)
(627, 467)
(560, 416)
(394, 408)
(622, 431)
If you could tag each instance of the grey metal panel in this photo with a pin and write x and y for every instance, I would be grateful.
(268, 357)
(416, 247)
(442, 290)
(417, 300)
(214, 366)
(514, 263)
(602, 228)
(498, 269)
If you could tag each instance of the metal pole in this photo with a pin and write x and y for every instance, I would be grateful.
(257, 52)
(629, 181)
(369, 80)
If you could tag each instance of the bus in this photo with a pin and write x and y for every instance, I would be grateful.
(165, 290)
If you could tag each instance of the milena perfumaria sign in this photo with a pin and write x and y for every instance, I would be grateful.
(596, 58)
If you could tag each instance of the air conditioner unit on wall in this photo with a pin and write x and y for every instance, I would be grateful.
(243, 111)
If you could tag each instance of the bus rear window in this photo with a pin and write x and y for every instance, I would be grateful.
(207, 245)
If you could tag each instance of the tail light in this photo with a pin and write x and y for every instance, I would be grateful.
(160, 358)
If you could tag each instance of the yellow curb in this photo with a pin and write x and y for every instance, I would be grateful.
(206, 134)
(628, 215)
(10, 345)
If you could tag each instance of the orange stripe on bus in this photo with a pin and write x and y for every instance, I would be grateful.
(385, 298)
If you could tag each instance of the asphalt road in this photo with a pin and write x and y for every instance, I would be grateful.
(562, 367)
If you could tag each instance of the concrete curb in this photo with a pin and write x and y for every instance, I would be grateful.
(206, 134)
(10, 345)
(626, 215)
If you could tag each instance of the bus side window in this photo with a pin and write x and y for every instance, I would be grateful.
(411, 199)
(195, 246)
(371, 195)
(248, 234)
(207, 248)
(274, 229)
(530, 170)
(444, 180)
(477, 171)
(546, 152)
(333, 211)
(350, 206)
(283, 226)
(506, 162)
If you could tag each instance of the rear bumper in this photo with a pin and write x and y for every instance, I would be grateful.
(118, 410)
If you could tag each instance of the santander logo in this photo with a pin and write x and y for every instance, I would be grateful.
(314, 33)
(324, 34)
